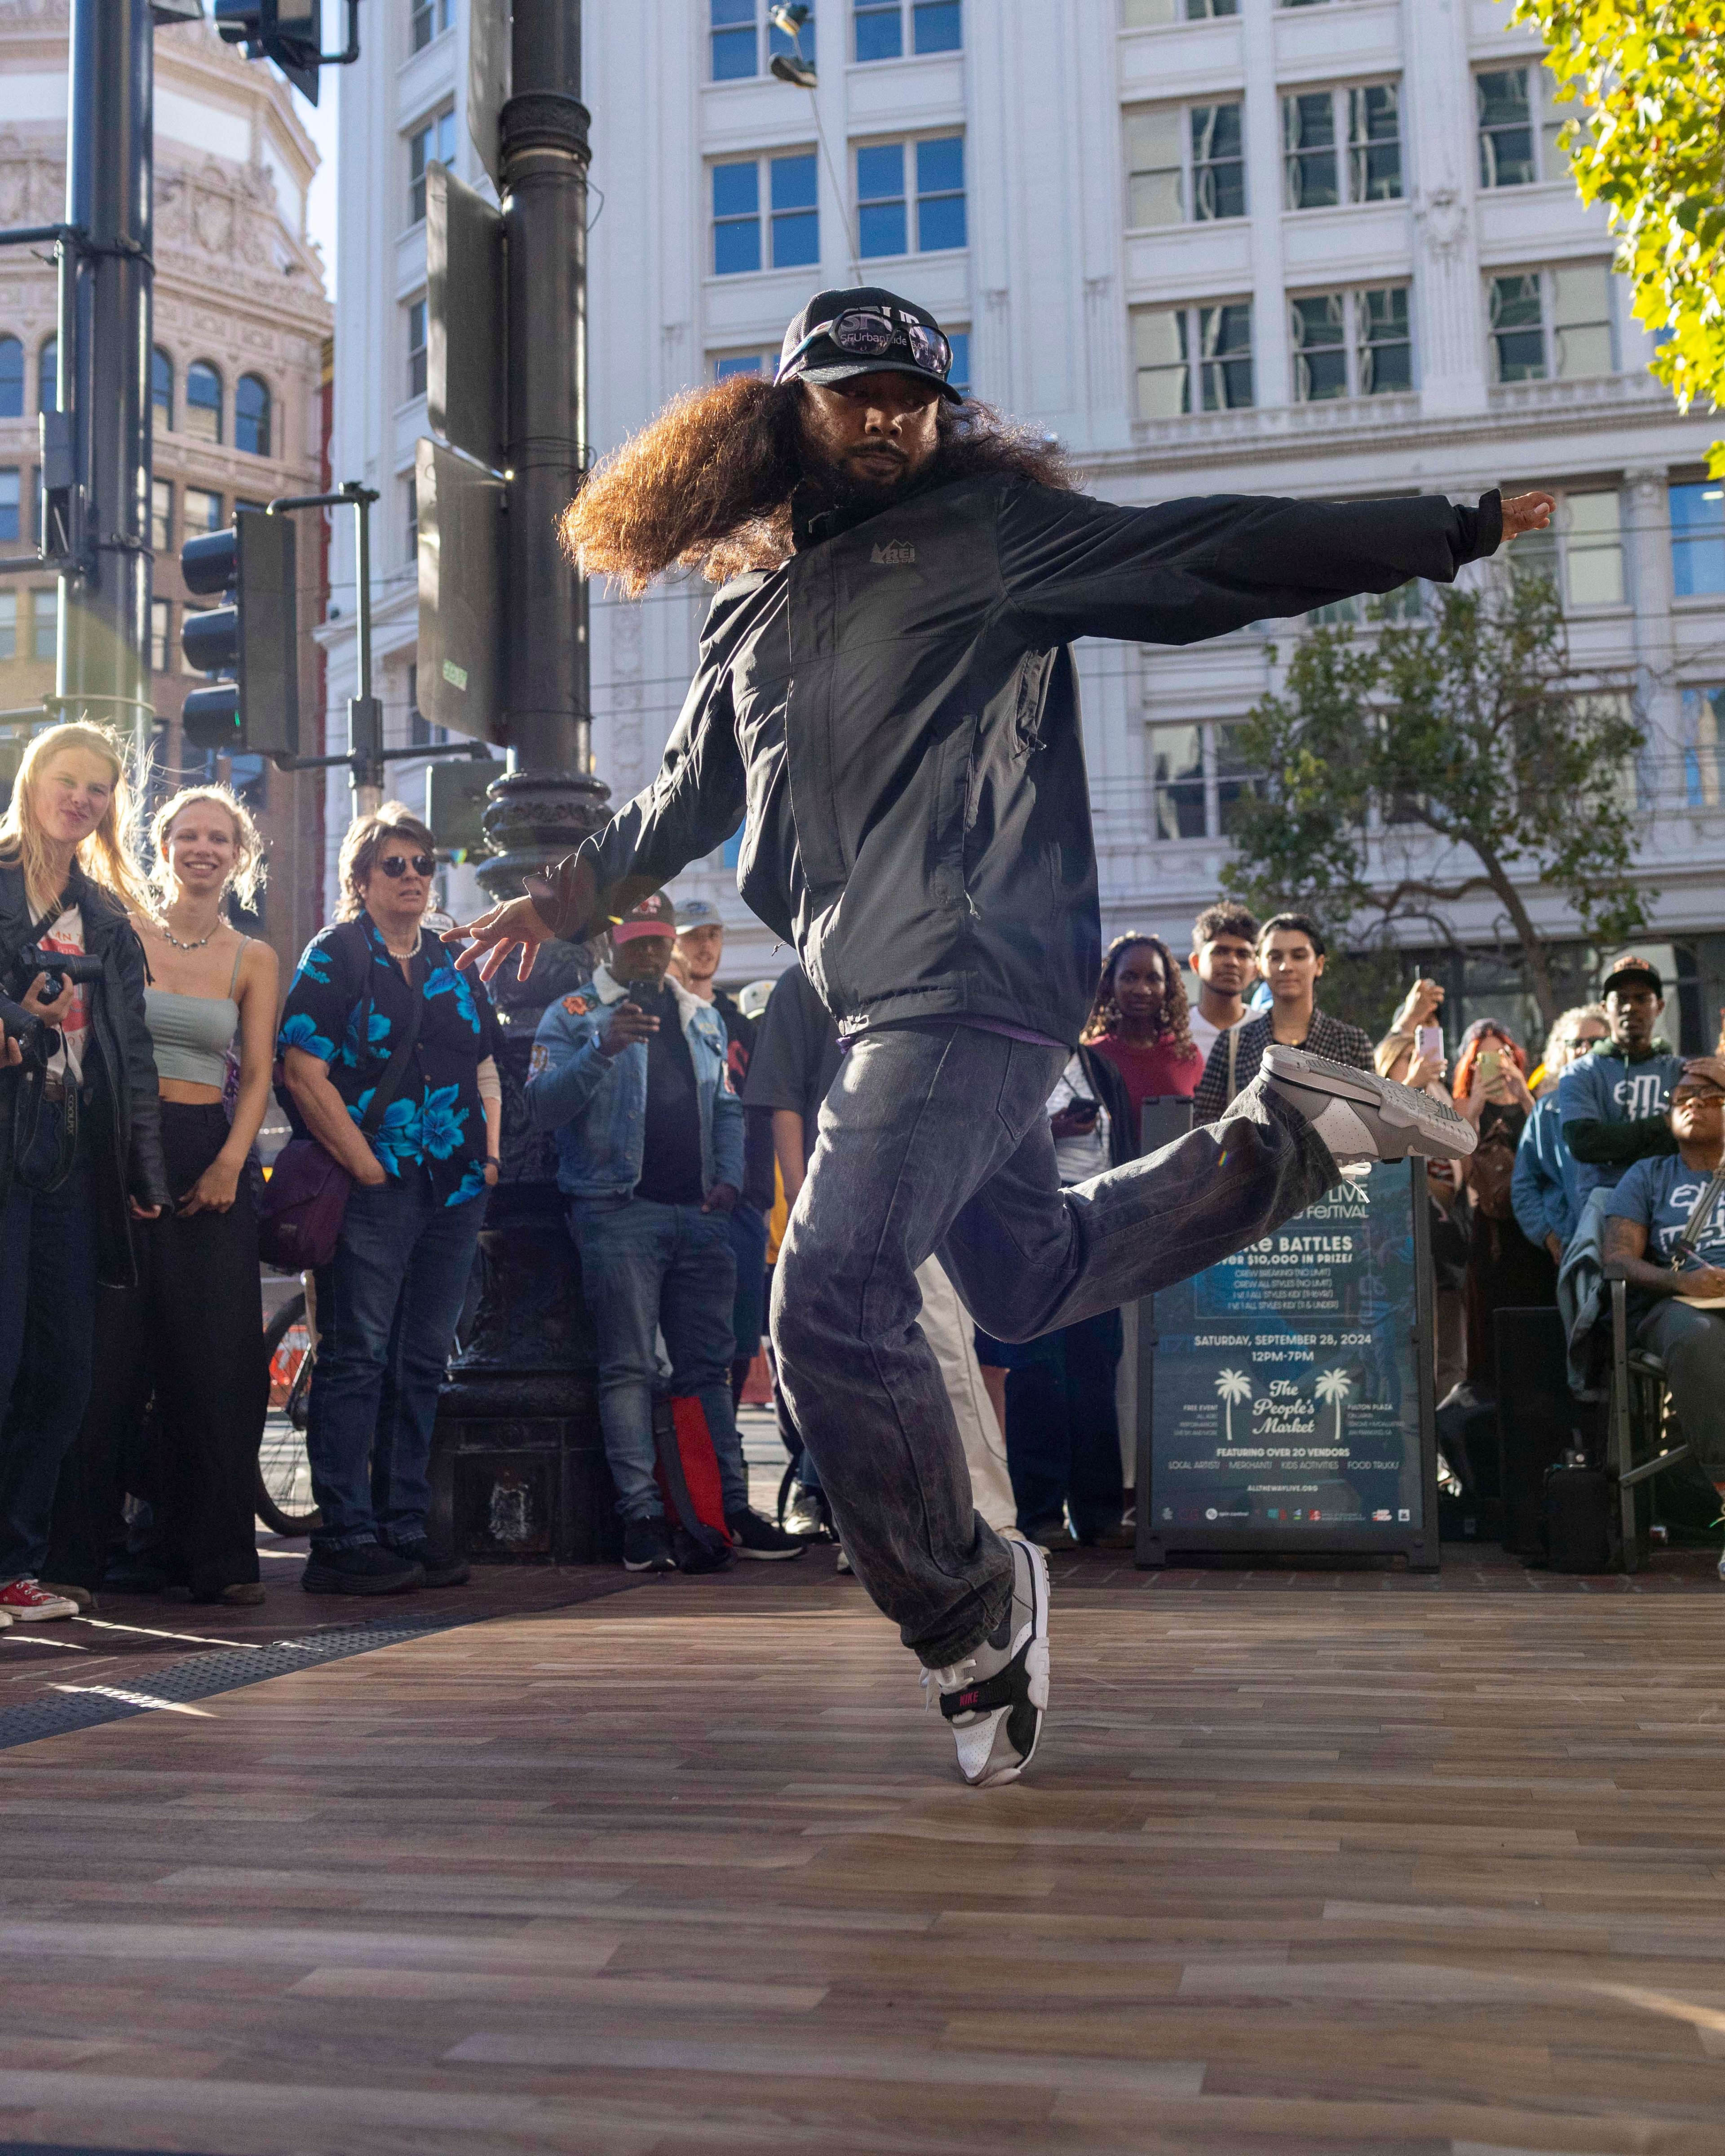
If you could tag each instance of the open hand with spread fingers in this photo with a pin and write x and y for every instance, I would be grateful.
(1527, 512)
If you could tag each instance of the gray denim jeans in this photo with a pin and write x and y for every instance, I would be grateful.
(935, 1136)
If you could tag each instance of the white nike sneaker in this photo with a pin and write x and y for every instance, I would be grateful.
(996, 1697)
(1362, 1116)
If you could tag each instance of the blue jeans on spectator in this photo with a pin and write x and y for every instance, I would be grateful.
(387, 1307)
(1062, 1431)
(48, 1290)
(647, 1268)
(748, 1306)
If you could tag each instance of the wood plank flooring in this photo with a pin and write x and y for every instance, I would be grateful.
(686, 1869)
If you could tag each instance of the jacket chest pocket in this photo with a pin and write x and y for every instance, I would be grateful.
(1035, 670)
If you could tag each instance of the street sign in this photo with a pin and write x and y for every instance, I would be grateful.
(455, 803)
(465, 316)
(461, 566)
(1285, 1396)
(489, 39)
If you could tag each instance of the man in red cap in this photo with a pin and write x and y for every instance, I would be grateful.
(886, 692)
(630, 1074)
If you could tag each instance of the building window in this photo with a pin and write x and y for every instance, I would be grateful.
(10, 502)
(959, 374)
(728, 363)
(1551, 324)
(1703, 746)
(203, 402)
(434, 142)
(1151, 14)
(203, 510)
(12, 378)
(47, 377)
(45, 622)
(416, 347)
(883, 209)
(1236, 777)
(161, 514)
(39, 527)
(735, 40)
(160, 629)
(1698, 540)
(1317, 124)
(1176, 782)
(421, 732)
(1590, 529)
(8, 624)
(792, 214)
(251, 415)
(427, 19)
(161, 388)
(1521, 112)
(935, 26)
(1185, 164)
(1351, 344)
(1192, 359)
(410, 515)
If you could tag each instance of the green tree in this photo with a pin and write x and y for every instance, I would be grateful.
(1413, 766)
(1650, 145)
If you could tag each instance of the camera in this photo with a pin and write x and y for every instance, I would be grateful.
(81, 968)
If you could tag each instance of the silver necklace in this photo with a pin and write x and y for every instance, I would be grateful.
(169, 937)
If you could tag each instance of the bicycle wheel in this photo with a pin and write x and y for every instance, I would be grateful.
(284, 1488)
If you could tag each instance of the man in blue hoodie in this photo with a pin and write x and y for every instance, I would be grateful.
(629, 1073)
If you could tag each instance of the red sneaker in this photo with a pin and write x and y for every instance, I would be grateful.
(29, 1602)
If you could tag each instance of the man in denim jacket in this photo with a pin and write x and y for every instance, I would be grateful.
(630, 1075)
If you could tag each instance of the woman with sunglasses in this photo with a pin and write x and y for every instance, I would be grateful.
(377, 1002)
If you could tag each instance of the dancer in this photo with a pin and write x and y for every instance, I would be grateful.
(887, 703)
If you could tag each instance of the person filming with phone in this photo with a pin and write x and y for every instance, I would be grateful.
(80, 1121)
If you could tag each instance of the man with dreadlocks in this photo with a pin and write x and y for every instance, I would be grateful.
(886, 701)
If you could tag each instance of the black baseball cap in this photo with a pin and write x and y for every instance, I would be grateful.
(806, 357)
(1633, 972)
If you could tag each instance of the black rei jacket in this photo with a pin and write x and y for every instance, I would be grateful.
(892, 715)
(124, 1101)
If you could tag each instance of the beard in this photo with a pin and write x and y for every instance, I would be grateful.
(847, 480)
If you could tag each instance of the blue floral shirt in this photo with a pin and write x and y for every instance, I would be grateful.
(436, 1119)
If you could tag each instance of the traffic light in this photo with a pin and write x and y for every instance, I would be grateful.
(254, 638)
(288, 32)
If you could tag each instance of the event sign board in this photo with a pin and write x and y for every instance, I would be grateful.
(1285, 1396)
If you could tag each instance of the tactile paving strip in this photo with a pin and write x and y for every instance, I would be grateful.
(202, 1676)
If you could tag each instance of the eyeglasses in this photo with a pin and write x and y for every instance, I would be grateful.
(868, 332)
(398, 865)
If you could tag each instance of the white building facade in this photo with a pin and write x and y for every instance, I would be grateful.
(1311, 247)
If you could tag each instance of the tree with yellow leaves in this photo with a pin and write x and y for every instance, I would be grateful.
(1650, 145)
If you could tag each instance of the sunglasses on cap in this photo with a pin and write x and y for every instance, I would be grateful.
(869, 333)
(398, 865)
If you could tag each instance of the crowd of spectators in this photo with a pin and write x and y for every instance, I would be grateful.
(136, 1075)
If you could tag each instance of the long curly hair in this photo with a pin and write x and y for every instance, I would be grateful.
(1173, 1027)
(1484, 1033)
(708, 485)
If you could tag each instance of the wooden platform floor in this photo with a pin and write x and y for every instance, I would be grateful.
(686, 1869)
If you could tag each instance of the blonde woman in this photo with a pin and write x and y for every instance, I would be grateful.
(192, 1331)
(80, 1132)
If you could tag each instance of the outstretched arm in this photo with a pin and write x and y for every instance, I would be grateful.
(1179, 571)
(694, 805)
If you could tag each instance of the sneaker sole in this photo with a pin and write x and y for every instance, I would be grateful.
(1399, 1106)
(766, 1557)
(650, 1564)
(41, 1616)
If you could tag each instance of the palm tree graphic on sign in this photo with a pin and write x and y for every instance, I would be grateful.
(1232, 1385)
(1335, 1386)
